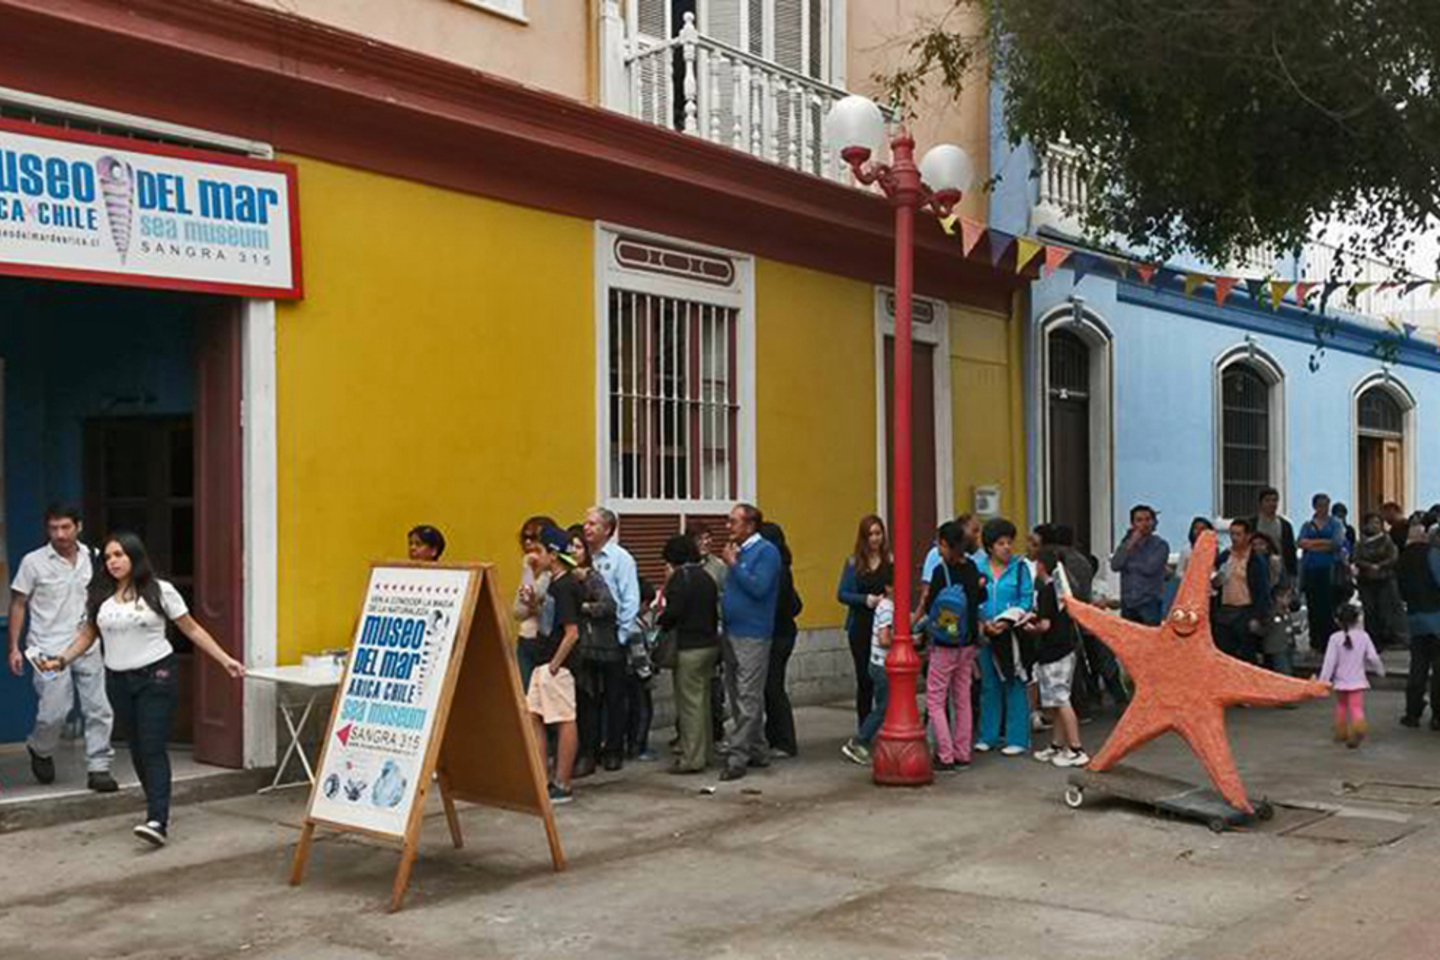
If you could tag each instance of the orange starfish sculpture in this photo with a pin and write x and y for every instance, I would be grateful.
(1183, 683)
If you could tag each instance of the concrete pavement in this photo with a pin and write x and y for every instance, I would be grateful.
(806, 859)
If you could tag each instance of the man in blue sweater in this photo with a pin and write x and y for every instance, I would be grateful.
(751, 588)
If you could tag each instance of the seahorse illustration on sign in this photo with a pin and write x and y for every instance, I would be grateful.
(117, 184)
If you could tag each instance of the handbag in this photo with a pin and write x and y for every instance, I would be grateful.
(667, 650)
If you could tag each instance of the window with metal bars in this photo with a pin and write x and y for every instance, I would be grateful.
(1244, 439)
(1380, 414)
(1069, 366)
(673, 404)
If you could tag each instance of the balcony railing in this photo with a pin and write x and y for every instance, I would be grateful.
(1064, 190)
(707, 88)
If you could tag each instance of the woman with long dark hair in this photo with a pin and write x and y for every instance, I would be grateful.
(600, 672)
(130, 607)
(862, 587)
(691, 602)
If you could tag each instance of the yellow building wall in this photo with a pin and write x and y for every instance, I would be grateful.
(405, 394)
(405, 388)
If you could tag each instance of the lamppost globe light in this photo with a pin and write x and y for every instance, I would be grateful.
(947, 171)
(856, 127)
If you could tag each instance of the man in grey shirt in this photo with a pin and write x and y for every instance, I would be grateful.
(1141, 560)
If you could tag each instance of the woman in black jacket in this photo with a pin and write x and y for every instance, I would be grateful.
(779, 717)
(691, 610)
(600, 668)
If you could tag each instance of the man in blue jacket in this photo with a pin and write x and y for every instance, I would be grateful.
(751, 589)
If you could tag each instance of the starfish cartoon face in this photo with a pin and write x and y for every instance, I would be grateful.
(1183, 683)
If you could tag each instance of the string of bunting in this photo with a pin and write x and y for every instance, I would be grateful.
(1051, 256)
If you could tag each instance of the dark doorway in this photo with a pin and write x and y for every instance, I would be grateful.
(924, 462)
(1069, 440)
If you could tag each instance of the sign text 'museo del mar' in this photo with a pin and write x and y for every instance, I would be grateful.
(86, 207)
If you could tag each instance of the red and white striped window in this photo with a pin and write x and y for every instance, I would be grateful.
(674, 422)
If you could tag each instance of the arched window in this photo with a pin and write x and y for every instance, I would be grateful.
(1244, 439)
(1380, 414)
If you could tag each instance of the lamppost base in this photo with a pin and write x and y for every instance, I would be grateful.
(902, 762)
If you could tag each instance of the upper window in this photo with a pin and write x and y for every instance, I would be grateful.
(1380, 414)
(1245, 442)
(1069, 366)
(673, 422)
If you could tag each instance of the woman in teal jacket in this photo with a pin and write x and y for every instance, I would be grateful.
(1002, 691)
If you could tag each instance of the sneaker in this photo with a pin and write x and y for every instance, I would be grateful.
(1071, 758)
(42, 767)
(101, 782)
(152, 832)
(1038, 721)
(644, 756)
(1012, 751)
(856, 752)
(1048, 754)
(982, 747)
(942, 766)
(732, 773)
(1412, 722)
(559, 795)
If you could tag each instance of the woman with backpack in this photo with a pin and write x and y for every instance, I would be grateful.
(1008, 657)
(779, 716)
(862, 587)
(956, 592)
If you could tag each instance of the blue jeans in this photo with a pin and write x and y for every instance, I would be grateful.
(144, 703)
(870, 726)
(998, 697)
(1147, 613)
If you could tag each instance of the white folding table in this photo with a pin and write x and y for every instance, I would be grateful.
(314, 682)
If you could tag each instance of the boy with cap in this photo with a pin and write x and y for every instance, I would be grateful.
(551, 697)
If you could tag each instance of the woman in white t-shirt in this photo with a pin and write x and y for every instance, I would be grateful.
(129, 607)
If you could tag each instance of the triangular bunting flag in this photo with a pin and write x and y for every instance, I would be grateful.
(1223, 286)
(1256, 288)
(1054, 257)
(1146, 272)
(999, 243)
(1025, 251)
(1193, 281)
(1358, 288)
(1278, 289)
(970, 233)
(1410, 329)
(1083, 263)
(1302, 291)
(1411, 287)
(1122, 268)
(948, 224)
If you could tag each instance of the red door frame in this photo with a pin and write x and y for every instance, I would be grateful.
(219, 529)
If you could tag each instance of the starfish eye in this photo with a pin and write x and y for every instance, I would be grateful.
(1184, 622)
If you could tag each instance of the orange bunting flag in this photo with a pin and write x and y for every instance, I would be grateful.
(1278, 289)
(948, 224)
(970, 233)
(1194, 281)
(1025, 251)
(1054, 258)
(1223, 286)
(1302, 291)
(1146, 272)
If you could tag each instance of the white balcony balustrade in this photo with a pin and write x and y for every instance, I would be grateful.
(707, 88)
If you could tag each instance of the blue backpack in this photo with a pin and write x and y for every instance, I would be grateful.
(949, 624)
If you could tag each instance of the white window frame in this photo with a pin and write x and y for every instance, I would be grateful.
(740, 296)
(1409, 406)
(1250, 354)
(513, 10)
(1100, 342)
(938, 335)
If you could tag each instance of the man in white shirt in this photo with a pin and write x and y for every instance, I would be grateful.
(51, 587)
(627, 697)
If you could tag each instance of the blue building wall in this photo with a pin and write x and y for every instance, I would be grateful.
(73, 352)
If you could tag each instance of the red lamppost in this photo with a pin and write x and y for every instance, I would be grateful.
(857, 127)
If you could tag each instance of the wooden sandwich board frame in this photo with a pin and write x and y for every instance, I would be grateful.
(491, 757)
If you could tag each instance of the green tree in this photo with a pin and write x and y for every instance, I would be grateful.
(1215, 125)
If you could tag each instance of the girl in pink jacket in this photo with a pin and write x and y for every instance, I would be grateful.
(1347, 656)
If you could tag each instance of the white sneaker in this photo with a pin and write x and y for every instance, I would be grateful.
(855, 752)
(982, 747)
(152, 832)
(1048, 754)
(1071, 758)
(1012, 751)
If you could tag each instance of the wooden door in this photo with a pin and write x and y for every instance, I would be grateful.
(1369, 473)
(1392, 472)
(219, 530)
(1070, 465)
(924, 460)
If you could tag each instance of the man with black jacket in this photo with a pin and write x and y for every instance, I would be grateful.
(1269, 522)
(1419, 575)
